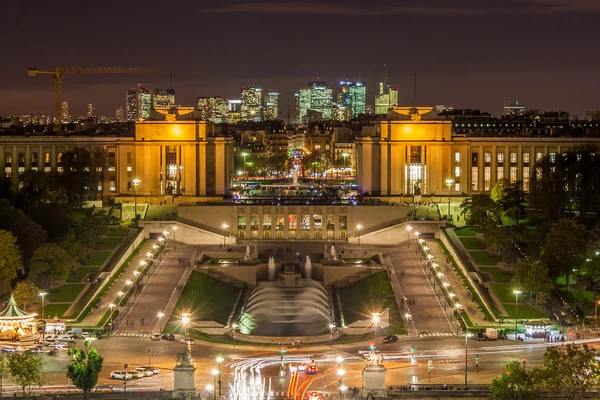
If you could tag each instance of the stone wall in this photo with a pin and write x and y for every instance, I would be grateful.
(184, 234)
(398, 234)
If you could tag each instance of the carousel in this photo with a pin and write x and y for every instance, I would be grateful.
(16, 324)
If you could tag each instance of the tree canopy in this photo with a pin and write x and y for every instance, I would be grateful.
(85, 368)
(532, 277)
(25, 293)
(27, 370)
(52, 259)
(10, 261)
(565, 248)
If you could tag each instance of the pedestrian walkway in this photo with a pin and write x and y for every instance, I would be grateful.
(119, 285)
(132, 334)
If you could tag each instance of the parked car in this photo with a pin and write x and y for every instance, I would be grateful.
(168, 336)
(122, 375)
(103, 387)
(9, 350)
(155, 336)
(136, 374)
(64, 338)
(144, 372)
(390, 339)
(149, 368)
(50, 338)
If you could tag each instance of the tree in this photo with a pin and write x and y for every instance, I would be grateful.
(54, 218)
(25, 293)
(27, 370)
(514, 384)
(36, 187)
(10, 261)
(513, 202)
(52, 259)
(532, 276)
(572, 370)
(85, 368)
(481, 211)
(4, 372)
(564, 248)
(89, 230)
(79, 177)
(498, 190)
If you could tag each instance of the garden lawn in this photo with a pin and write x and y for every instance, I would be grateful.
(65, 293)
(375, 294)
(80, 273)
(108, 243)
(484, 258)
(465, 232)
(55, 309)
(96, 258)
(499, 275)
(120, 232)
(506, 294)
(208, 299)
(524, 312)
(472, 243)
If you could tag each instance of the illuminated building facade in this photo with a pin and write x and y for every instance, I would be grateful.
(271, 106)
(171, 158)
(213, 109)
(65, 116)
(163, 98)
(144, 103)
(251, 108)
(131, 105)
(513, 108)
(91, 110)
(314, 102)
(354, 97)
(415, 152)
(120, 114)
(386, 99)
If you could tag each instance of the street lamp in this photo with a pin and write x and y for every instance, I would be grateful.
(136, 182)
(358, 228)
(209, 388)
(466, 355)
(331, 328)
(517, 293)
(449, 183)
(458, 306)
(214, 374)
(165, 233)
(234, 326)
(376, 318)
(43, 296)
(185, 319)
(111, 306)
(160, 315)
(244, 155)
(224, 226)
(175, 227)
(340, 373)
(408, 229)
(219, 361)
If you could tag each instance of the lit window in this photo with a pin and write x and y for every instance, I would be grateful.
(129, 168)
(457, 172)
(457, 157)
(539, 156)
(47, 169)
(513, 158)
(487, 158)
(500, 157)
(525, 158)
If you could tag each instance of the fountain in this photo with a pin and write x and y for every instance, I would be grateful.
(271, 268)
(247, 256)
(308, 268)
(333, 254)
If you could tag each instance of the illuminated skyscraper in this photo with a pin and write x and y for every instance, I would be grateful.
(131, 105)
(120, 114)
(91, 110)
(354, 97)
(213, 109)
(65, 116)
(271, 106)
(387, 97)
(513, 108)
(252, 100)
(144, 103)
(163, 98)
(314, 102)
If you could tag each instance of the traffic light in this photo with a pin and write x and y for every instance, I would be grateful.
(282, 351)
(430, 365)
(372, 347)
(477, 358)
(413, 349)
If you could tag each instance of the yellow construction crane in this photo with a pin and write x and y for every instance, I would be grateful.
(57, 75)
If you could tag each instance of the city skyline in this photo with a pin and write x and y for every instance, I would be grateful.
(465, 54)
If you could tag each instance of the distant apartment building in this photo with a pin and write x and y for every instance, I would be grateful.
(213, 109)
(144, 103)
(252, 101)
(91, 110)
(271, 106)
(513, 108)
(163, 98)
(314, 103)
(131, 105)
(120, 114)
(353, 95)
(65, 116)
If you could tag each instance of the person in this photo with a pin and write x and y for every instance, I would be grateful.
(142, 321)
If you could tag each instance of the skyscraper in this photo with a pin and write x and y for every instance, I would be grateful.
(163, 98)
(91, 110)
(131, 105)
(252, 99)
(354, 97)
(271, 106)
(387, 97)
(313, 102)
(120, 114)
(144, 103)
(513, 108)
(65, 116)
(213, 109)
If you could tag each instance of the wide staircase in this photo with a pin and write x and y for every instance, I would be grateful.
(362, 274)
(221, 276)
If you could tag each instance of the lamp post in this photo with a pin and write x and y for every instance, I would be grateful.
(209, 388)
(160, 328)
(452, 295)
(340, 373)
(244, 155)
(112, 307)
(358, 228)
(136, 182)
(234, 326)
(219, 361)
(376, 318)
(160, 243)
(408, 229)
(185, 319)
(517, 293)
(449, 183)
(224, 226)
(458, 306)
(43, 296)
(331, 328)
(466, 355)
(165, 233)
(175, 227)
(214, 374)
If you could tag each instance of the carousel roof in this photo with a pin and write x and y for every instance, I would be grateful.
(12, 311)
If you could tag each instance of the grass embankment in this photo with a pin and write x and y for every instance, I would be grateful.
(361, 298)
(206, 298)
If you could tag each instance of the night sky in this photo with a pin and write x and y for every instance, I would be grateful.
(467, 53)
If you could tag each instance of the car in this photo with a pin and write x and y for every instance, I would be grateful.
(104, 387)
(144, 372)
(64, 338)
(390, 339)
(85, 335)
(7, 349)
(312, 370)
(293, 368)
(50, 338)
(155, 336)
(122, 375)
(188, 341)
(154, 370)
(168, 336)
(136, 374)
(302, 367)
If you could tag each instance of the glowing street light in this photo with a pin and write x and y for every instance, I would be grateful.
(408, 229)
(160, 316)
(449, 183)
(214, 374)
(517, 293)
(376, 319)
(43, 296)
(136, 182)
(219, 361)
(224, 226)
(358, 228)
(185, 319)
(175, 227)
(112, 307)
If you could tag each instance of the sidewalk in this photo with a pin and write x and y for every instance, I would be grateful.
(119, 285)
